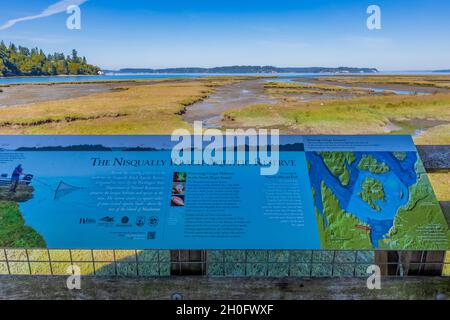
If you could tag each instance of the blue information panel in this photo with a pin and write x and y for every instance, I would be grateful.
(328, 192)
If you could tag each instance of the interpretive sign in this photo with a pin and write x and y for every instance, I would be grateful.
(129, 192)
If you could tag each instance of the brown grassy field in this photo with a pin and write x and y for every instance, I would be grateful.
(144, 109)
(315, 88)
(434, 80)
(157, 107)
(441, 185)
(360, 115)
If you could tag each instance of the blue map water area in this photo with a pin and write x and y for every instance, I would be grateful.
(58, 220)
(396, 183)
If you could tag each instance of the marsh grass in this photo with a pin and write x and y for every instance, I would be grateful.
(436, 81)
(436, 135)
(441, 185)
(446, 269)
(371, 115)
(307, 87)
(144, 109)
(13, 232)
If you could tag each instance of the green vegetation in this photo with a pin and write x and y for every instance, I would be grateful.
(372, 191)
(399, 155)
(21, 61)
(420, 224)
(436, 81)
(369, 163)
(339, 229)
(312, 87)
(369, 115)
(337, 163)
(319, 89)
(13, 232)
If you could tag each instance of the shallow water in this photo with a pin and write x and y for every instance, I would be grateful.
(124, 76)
(234, 96)
(111, 77)
(376, 90)
(23, 80)
(384, 90)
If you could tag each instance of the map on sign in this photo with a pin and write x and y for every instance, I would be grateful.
(374, 200)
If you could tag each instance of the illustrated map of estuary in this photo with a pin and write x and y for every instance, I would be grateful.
(375, 200)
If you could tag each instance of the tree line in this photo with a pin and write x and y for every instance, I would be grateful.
(22, 61)
(251, 69)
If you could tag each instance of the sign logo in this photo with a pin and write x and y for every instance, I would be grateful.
(107, 219)
(140, 221)
(153, 221)
(87, 221)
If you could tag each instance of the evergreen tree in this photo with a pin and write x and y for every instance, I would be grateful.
(22, 61)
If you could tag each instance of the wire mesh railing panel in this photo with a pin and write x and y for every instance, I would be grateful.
(219, 263)
(275, 263)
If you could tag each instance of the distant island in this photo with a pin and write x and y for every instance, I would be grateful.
(247, 69)
(21, 61)
(85, 147)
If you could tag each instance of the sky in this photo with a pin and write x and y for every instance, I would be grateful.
(414, 34)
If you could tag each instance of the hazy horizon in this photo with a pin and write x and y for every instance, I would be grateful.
(299, 66)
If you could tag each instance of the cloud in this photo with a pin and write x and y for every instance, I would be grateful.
(58, 7)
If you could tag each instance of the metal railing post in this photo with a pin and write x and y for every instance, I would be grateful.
(28, 261)
(50, 262)
(7, 261)
(93, 262)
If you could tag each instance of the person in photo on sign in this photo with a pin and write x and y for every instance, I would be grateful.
(15, 177)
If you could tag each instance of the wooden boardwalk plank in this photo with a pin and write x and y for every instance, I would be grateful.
(224, 288)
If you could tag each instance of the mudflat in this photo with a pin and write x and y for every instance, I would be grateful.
(429, 84)
(141, 107)
(319, 105)
(231, 96)
(13, 95)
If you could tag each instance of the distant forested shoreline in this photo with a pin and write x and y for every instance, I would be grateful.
(21, 61)
(248, 69)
